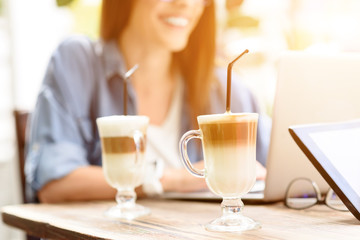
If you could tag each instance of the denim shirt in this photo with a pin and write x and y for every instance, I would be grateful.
(84, 81)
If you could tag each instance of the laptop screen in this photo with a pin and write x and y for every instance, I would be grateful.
(311, 88)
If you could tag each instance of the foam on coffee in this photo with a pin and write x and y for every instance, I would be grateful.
(227, 117)
(118, 125)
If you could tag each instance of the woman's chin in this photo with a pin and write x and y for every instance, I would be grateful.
(178, 46)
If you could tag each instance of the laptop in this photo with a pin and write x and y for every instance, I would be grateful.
(333, 149)
(310, 88)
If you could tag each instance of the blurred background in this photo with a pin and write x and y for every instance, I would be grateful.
(31, 30)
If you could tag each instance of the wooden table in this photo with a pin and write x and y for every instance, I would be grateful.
(171, 219)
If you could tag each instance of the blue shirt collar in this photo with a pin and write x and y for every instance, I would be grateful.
(114, 63)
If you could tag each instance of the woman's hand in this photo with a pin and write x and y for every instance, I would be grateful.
(260, 171)
(180, 180)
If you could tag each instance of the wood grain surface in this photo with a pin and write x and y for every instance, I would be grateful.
(171, 219)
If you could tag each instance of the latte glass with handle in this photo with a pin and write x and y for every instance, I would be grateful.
(123, 142)
(229, 149)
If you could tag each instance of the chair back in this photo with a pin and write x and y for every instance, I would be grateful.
(21, 118)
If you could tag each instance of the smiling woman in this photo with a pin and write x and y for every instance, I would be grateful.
(165, 32)
(169, 27)
(173, 43)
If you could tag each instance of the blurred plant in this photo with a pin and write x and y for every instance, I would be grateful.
(1, 7)
(61, 3)
(86, 16)
(236, 18)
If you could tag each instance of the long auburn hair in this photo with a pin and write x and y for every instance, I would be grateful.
(196, 61)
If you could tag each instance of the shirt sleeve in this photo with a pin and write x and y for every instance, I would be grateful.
(57, 130)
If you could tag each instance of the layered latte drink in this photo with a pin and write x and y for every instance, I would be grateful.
(229, 146)
(123, 146)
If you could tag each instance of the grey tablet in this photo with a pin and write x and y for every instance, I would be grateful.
(334, 150)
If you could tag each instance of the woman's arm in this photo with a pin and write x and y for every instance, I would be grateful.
(88, 183)
(82, 184)
(60, 135)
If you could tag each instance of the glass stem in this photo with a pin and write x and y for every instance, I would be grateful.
(125, 198)
(231, 207)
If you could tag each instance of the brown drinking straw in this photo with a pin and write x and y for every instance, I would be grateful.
(228, 87)
(127, 75)
(125, 97)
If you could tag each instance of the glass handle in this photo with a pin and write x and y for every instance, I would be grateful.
(139, 141)
(184, 155)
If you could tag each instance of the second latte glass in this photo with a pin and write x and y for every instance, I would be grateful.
(123, 142)
(229, 146)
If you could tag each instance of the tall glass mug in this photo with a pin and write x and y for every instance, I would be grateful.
(229, 147)
(123, 142)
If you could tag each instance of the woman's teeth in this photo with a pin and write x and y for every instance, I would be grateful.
(177, 21)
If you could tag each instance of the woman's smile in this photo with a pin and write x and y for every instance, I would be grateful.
(175, 21)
